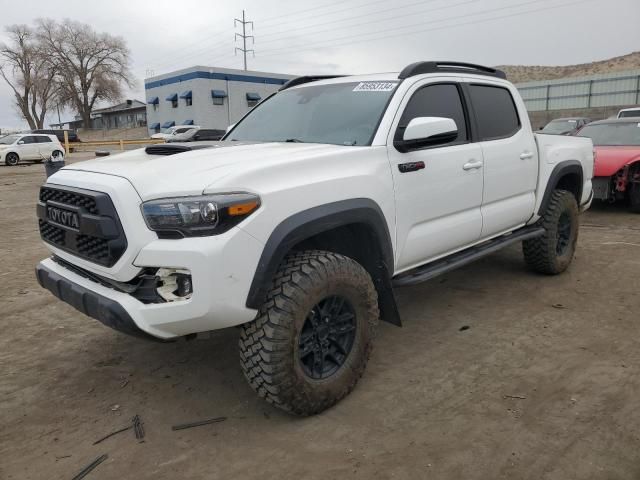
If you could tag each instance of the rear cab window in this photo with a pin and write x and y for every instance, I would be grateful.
(495, 111)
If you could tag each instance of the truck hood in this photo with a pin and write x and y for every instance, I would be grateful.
(190, 173)
(611, 159)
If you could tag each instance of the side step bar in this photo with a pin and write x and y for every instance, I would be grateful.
(430, 270)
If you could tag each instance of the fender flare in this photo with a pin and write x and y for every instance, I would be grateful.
(559, 171)
(308, 223)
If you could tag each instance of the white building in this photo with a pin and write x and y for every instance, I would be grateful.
(206, 96)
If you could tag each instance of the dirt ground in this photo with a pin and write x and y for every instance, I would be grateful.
(543, 384)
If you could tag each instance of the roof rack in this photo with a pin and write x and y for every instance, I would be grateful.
(306, 79)
(419, 68)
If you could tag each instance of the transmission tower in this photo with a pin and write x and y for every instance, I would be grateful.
(244, 37)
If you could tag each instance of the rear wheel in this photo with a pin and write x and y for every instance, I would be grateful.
(310, 343)
(11, 159)
(56, 154)
(553, 252)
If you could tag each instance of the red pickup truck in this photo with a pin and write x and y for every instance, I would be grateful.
(616, 174)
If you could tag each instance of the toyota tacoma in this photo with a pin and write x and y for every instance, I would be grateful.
(300, 223)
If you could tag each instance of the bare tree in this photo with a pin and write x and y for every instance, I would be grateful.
(91, 66)
(29, 73)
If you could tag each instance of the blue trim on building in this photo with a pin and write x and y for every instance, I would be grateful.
(253, 96)
(154, 126)
(168, 124)
(187, 122)
(215, 76)
(173, 97)
(154, 101)
(186, 94)
(218, 94)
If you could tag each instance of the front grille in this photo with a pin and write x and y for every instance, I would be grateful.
(68, 198)
(93, 247)
(99, 236)
(51, 233)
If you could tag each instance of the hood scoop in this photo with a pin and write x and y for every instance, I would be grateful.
(170, 149)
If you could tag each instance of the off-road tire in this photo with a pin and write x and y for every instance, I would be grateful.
(634, 197)
(541, 253)
(11, 159)
(269, 353)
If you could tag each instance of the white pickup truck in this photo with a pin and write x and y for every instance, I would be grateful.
(299, 224)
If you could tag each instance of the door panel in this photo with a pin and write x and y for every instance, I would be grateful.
(29, 149)
(510, 182)
(438, 206)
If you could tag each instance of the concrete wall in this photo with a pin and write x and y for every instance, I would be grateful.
(202, 111)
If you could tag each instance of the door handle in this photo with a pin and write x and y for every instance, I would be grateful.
(472, 165)
(526, 155)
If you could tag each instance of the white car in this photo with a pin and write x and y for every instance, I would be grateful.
(28, 146)
(176, 130)
(298, 225)
(629, 112)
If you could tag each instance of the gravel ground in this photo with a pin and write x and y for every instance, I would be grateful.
(497, 373)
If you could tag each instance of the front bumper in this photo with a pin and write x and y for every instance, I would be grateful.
(221, 269)
(105, 310)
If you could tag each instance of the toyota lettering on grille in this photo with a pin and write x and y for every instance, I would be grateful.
(62, 217)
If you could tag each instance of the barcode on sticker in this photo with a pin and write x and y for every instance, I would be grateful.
(375, 86)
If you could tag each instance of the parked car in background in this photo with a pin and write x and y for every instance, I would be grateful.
(176, 130)
(59, 133)
(28, 146)
(629, 112)
(565, 126)
(197, 135)
(617, 168)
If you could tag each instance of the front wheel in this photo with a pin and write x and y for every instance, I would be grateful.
(553, 252)
(310, 343)
(12, 159)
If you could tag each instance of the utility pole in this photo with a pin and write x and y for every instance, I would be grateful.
(244, 37)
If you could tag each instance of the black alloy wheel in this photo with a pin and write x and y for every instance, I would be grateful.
(326, 338)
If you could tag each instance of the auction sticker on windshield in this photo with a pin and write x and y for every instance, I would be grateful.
(375, 86)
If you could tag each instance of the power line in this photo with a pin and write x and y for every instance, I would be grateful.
(404, 28)
(359, 23)
(353, 7)
(244, 37)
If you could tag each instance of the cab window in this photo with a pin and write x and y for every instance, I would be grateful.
(438, 100)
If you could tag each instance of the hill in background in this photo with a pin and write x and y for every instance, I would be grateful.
(526, 73)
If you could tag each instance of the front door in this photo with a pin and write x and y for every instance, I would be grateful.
(437, 206)
(28, 149)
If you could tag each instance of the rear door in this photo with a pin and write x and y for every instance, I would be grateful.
(438, 205)
(510, 157)
(46, 146)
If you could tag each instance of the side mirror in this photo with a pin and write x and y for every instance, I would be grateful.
(21, 142)
(424, 132)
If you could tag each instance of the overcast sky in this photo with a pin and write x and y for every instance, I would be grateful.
(347, 36)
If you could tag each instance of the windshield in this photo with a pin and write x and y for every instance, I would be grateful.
(613, 134)
(9, 139)
(629, 113)
(338, 114)
(560, 126)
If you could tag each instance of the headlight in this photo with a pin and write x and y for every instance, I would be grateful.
(199, 216)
